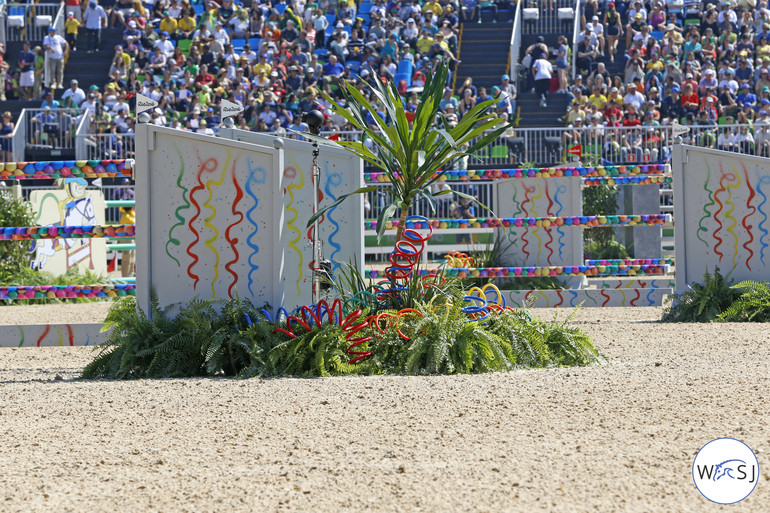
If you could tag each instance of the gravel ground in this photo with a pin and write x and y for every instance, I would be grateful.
(620, 437)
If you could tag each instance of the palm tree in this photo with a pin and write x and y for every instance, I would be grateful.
(410, 154)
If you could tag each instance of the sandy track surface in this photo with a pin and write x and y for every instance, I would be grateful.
(620, 437)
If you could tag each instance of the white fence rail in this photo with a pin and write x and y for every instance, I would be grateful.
(52, 129)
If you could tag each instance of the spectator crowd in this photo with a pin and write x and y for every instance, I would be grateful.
(705, 64)
(272, 58)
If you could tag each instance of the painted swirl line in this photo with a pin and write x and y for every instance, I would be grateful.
(290, 223)
(747, 245)
(573, 298)
(206, 221)
(716, 218)
(604, 293)
(561, 299)
(537, 229)
(233, 241)
(207, 166)
(560, 230)
(762, 180)
(706, 213)
(21, 332)
(730, 228)
(649, 299)
(253, 178)
(623, 293)
(334, 179)
(180, 218)
(549, 212)
(638, 295)
(527, 191)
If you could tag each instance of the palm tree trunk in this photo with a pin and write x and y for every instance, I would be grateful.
(402, 220)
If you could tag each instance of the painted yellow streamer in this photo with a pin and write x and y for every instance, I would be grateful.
(290, 223)
(206, 220)
(58, 331)
(730, 227)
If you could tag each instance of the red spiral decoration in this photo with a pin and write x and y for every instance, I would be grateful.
(313, 315)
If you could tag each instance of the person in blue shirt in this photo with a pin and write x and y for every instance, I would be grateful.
(333, 70)
(49, 101)
(27, 68)
(746, 97)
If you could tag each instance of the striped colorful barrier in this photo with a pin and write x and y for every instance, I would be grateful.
(67, 291)
(545, 222)
(67, 232)
(626, 180)
(630, 261)
(542, 271)
(67, 169)
(545, 172)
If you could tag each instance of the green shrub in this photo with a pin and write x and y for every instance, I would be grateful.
(204, 338)
(703, 302)
(753, 305)
(14, 255)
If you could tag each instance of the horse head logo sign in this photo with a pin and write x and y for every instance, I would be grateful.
(725, 471)
(75, 209)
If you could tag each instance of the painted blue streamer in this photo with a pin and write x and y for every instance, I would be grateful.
(574, 297)
(560, 230)
(253, 177)
(764, 179)
(334, 179)
(649, 299)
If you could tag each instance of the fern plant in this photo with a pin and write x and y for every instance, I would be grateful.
(704, 301)
(753, 305)
(537, 343)
(318, 352)
(206, 337)
(441, 342)
(140, 347)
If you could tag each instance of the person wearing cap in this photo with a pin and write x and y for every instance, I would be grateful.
(586, 52)
(56, 47)
(164, 45)
(672, 105)
(168, 25)
(614, 28)
(75, 92)
(95, 18)
(597, 29)
(71, 28)
(26, 63)
(764, 80)
(636, 22)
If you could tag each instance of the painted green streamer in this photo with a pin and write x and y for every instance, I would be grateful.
(171, 239)
(706, 213)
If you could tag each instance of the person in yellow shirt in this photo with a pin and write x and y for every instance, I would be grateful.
(71, 27)
(263, 66)
(597, 98)
(187, 25)
(169, 24)
(433, 6)
(424, 42)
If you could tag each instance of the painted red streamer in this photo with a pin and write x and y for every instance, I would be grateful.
(746, 245)
(204, 168)
(234, 241)
(717, 238)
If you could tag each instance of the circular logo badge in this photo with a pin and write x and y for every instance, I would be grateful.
(725, 470)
